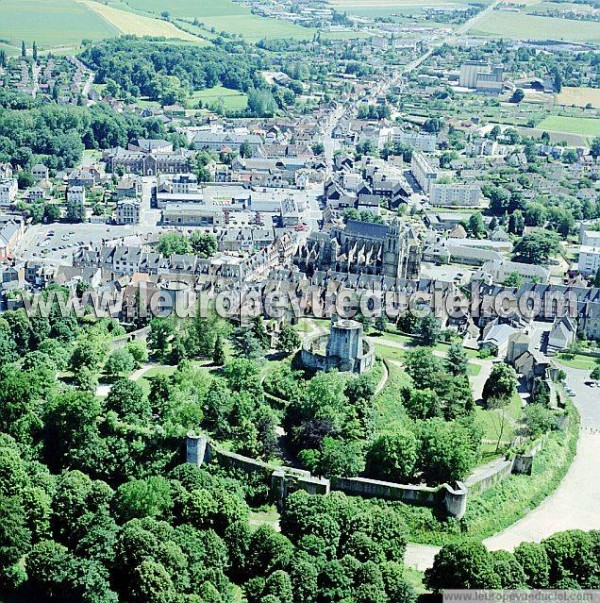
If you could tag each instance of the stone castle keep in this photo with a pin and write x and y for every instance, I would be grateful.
(390, 250)
(344, 349)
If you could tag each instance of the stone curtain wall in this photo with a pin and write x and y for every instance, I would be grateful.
(284, 480)
(480, 481)
(452, 499)
(123, 340)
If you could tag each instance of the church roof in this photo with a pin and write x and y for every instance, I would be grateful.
(366, 229)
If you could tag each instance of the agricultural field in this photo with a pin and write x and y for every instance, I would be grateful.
(579, 97)
(545, 7)
(60, 23)
(231, 100)
(9, 49)
(584, 126)
(223, 15)
(137, 25)
(254, 28)
(522, 26)
(190, 8)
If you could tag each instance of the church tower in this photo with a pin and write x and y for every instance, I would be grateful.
(393, 246)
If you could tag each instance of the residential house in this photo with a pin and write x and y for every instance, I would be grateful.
(8, 191)
(562, 335)
(40, 172)
(128, 212)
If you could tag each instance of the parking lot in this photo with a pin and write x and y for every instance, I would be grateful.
(56, 243)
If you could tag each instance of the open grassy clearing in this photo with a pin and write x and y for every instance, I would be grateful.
(584, 126)
(579, 97)
(264, 516)
(411, 341)
(131, 24)
(389, 412)
(144, 380)
(51, 23)
(491, 421)
(10, 50)
(254, 28)
(574, 140)
(521, 26)
(231, 100)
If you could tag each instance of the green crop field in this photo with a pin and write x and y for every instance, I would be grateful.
(520, 26)
(190, 8)
(254, 28)
(51, 23)
(585, 126)
(223, 15)
(232, 100)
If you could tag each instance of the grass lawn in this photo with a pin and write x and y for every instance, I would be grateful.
(586, 126)
(579, 97)
(474, 369)
(578, 361)
(415, 578)
(232, 100)
(521, 26)
(130, 24)
(389, 353)
(389, 411)
(264, 516)
(51, 23)
(411, 342)
(144, 380)
(491, 422)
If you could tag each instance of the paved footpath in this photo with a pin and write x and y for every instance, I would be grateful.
(573, 505)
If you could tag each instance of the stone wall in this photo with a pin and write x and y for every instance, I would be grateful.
(123, 340)
(284, 480)
(522, 463)
(451, 499)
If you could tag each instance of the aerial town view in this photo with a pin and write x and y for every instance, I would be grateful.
(299, 301)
